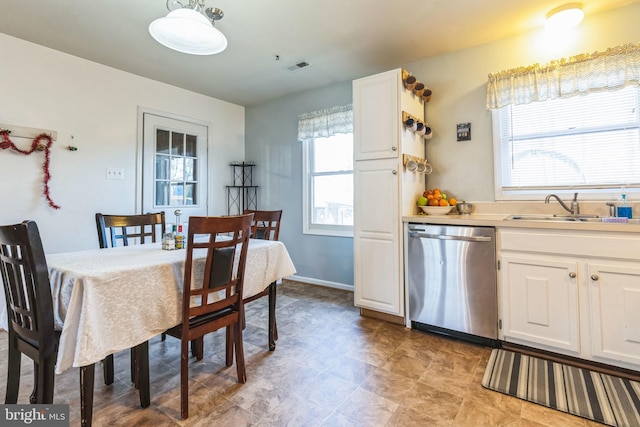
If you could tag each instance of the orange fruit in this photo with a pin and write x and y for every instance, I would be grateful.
(443, 202)
(429, 196)
(452, 201)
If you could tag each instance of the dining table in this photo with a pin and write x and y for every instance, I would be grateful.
(108, 300)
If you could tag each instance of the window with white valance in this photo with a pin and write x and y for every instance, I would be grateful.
(614, 68)
(327, 138)
(325, 123)
(567, 126)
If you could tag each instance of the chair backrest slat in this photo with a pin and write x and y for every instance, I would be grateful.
(215, 282)
(266, 224)
(129, 228)
(27, 289)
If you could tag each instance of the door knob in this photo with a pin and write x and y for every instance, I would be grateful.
(594, 277)
(572, 275)
(395, 172)
(394, 148)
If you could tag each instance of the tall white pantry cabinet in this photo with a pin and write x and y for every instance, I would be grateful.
(383, 190)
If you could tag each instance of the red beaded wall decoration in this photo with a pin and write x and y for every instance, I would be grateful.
(41, 142)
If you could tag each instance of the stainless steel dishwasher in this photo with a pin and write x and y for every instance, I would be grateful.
(452, 281)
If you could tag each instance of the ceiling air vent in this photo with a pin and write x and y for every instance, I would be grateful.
(298, 66)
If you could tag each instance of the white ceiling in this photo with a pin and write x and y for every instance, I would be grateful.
(341, 39)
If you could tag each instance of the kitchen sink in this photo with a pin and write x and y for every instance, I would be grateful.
(559, 218)
(565, 218)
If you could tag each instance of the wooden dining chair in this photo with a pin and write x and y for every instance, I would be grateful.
(212, 290)
(126, 229)
(30, 310)
(27, 289)
(122, 230)
(266, 226)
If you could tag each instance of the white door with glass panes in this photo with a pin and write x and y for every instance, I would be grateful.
(174, 167)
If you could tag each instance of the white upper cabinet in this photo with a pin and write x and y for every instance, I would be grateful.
(376, 115)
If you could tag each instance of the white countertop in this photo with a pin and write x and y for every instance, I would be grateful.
(499, 220)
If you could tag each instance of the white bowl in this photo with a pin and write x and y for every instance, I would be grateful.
(436, 210)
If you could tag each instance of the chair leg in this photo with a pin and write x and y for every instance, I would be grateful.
(163, 337)
(107, 369)
(142, 373)
(229, 347)
(242, 373)
(13, 375)
(37, 387)
(184, 379)
(47, 374)
(43, 381)
(87, 377)
(197, 348)
(273, 329)
(134, 369)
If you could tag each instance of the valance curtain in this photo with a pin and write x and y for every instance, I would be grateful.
(614, 68)
(325, 123)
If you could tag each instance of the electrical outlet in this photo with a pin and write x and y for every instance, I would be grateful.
(115, 173)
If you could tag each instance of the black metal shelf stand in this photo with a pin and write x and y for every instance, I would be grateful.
(242, 194)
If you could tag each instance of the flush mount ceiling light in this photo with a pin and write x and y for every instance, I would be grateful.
(188, 28)
(565, 17)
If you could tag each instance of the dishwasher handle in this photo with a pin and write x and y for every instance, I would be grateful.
(451, 237)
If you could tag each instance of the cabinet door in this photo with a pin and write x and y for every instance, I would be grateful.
(376, 116)
(540, 301)
(614, 291)
(377, 283)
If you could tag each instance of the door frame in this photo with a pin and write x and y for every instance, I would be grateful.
(140, 148)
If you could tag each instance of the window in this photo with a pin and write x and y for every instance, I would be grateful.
(327, 138)
(587, 143)
(176, 174)
(328, 191)
(572, 125)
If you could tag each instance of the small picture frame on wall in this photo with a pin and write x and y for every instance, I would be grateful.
(464, 131)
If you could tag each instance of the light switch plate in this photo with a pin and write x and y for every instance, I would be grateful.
(115, 173)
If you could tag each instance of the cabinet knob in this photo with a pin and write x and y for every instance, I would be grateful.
(572, 275)
(395, 172)
(594, 277)
(394, 148)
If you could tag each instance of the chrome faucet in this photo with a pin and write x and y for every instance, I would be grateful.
(575, 206)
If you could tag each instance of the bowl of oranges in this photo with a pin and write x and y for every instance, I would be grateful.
(435, 202)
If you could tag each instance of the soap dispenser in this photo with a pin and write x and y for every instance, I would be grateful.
(624, 211)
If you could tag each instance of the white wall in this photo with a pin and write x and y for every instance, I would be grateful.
(459, 81)
(98, 105)
(272, 143)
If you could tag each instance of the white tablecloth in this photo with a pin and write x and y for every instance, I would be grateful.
(107, 300)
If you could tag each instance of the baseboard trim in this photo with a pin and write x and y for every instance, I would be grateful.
(391, 318)
(324, 283)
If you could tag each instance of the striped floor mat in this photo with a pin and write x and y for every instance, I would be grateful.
(599, 397)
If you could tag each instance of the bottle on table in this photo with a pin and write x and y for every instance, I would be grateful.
(179, 237)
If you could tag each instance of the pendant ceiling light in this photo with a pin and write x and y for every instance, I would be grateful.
(189, 28)
(565, 17)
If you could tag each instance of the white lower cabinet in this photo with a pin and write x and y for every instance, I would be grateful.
(560, 292)
(377, 237)
(614, 294)
(541, 301)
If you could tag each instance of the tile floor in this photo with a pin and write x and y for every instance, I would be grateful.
(331, 367)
